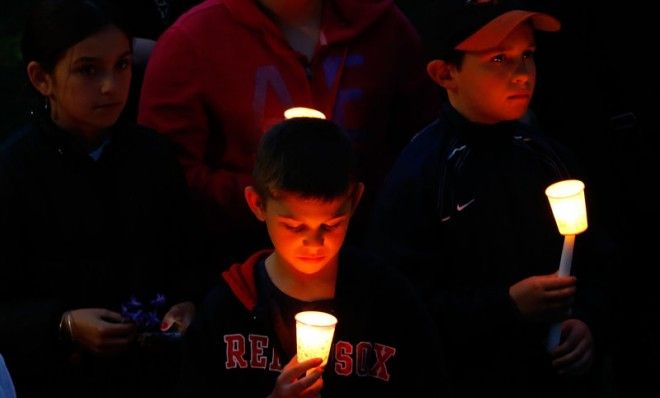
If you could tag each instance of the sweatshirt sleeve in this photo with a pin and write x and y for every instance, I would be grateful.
(425, 370)
(202, 364)
(174, 102)
(405, 232)
(196, 363)
(186, 273)
(28, 325)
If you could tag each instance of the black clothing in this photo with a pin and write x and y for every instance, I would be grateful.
(464, 215)
(78, 233)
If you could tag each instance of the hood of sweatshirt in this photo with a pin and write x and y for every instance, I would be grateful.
(341, 20)
(240, 278)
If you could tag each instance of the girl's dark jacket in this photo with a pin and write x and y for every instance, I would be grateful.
(79, 233)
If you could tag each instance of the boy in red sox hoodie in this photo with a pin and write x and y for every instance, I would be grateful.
(243, 339)
(227, 70)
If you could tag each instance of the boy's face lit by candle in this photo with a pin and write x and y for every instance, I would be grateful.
(307, 233)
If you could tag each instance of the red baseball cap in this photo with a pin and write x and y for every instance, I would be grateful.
(494, 32)
(477, 25)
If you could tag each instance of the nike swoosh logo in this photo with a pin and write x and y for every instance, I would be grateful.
(460, 207)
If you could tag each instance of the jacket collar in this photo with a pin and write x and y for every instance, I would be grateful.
(240, 277)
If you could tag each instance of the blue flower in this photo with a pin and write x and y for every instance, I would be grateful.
(159, 301)
(145, 317)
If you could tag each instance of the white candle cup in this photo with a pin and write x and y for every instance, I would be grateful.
(303, 112)
(568, 206)
(314, 332)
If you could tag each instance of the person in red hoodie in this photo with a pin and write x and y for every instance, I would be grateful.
(227, 70)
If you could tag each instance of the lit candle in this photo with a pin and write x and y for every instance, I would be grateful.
(303, 112)
(570, 212)
(314, 332)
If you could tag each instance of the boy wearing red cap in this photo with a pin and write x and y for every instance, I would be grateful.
(463, 213)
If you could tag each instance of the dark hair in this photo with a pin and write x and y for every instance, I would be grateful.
(454, 57)
(430, 26)
(54, 26)
(310, 157)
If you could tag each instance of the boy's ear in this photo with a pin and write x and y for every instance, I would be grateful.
(255, 203)
(40, 79)
(440, 72)
(357, 195)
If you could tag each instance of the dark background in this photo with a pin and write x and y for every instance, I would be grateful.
(12, 81)
(596, 94)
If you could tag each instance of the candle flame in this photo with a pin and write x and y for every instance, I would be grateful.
(303, 112)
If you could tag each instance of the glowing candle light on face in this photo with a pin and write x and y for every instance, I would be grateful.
(314, 332)
(570, 212)
(303, 112)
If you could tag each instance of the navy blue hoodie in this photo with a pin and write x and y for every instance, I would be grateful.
(463, 214)
(384, 343)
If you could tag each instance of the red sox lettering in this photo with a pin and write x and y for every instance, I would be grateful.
(255, 352)
(235, 349)
(344, 364)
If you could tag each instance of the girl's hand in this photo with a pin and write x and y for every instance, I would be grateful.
(99, 331)
(179, 316)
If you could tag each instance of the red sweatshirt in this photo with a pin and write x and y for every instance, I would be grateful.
(224, 73)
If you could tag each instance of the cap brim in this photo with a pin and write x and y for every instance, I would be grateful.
(495, 31)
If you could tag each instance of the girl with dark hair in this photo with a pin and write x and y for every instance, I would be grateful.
(94, 221)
